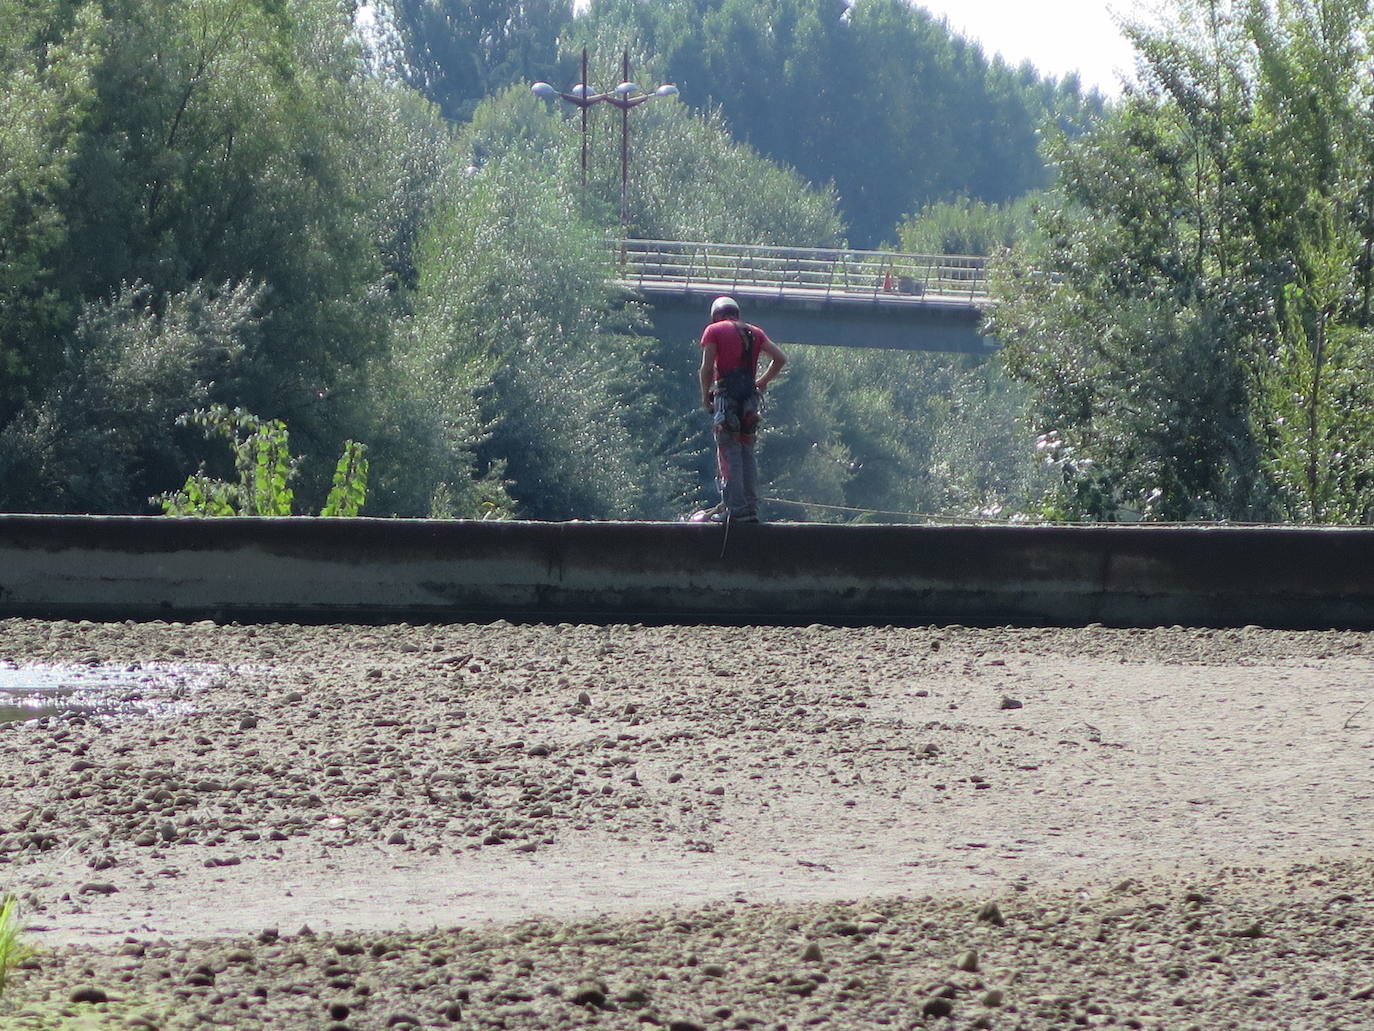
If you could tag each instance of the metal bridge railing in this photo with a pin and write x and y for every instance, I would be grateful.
(661, 265)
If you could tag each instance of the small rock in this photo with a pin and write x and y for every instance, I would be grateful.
(1010, 703)
(968, 961)
(396, 839)
(89, 993)
(248, 723)
(988, 913)
(938, 1006)
(589, 995)
(812, 953)
(97, 888)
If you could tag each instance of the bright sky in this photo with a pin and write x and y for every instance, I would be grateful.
(1057, 36)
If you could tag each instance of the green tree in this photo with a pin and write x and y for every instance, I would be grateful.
(875, 97)
(47, 56)
(1194, 325)
(459, 52)
(884, 435)
(1315, 398)
(199, 143)
(517, 311)
(107, 421)
(968, 227)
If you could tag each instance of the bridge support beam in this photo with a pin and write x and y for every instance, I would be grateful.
(916, 325)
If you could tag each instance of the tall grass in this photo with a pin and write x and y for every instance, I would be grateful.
(12, 950)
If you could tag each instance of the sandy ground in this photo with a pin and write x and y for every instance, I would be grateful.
(557, 826)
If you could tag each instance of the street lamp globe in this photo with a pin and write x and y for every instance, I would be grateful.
(624, 97)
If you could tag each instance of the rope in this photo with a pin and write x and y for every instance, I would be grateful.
(922, 516)
(928, 517)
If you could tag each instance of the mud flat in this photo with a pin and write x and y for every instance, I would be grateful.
(558, 826)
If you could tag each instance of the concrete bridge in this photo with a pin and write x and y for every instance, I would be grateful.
(828, 297)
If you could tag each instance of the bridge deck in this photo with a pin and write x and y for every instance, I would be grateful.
(816, 295)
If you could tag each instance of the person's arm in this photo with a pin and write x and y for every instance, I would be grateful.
(776, 360)
(708, 372)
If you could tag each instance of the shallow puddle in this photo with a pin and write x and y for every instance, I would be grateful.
(32, 692)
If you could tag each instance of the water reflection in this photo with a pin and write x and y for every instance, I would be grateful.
(32, 692)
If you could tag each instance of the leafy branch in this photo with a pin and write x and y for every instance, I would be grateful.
(265, 468)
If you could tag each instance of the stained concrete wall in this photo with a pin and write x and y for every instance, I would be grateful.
(303, 569)
(929, 324)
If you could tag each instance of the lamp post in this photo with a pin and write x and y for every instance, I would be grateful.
(624, 96)
(580, 96)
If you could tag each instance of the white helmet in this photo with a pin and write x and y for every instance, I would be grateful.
(724, 308)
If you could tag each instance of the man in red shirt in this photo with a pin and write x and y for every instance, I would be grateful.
(730, 390)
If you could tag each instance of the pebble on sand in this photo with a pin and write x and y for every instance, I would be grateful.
(989, 913)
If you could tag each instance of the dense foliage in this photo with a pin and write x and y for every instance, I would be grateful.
(876, 97)
(208, 206)
(1196, 328)
(381, 240)
(459, 52)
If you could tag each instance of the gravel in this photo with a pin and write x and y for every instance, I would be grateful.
(692, 827)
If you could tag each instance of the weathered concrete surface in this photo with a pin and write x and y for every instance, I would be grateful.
(926, 323)
(304, 570)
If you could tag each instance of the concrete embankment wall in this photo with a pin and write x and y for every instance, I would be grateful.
(337, 570)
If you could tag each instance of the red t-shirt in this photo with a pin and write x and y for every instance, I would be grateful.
(730, 345)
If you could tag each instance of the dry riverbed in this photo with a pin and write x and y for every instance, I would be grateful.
(557, 826)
